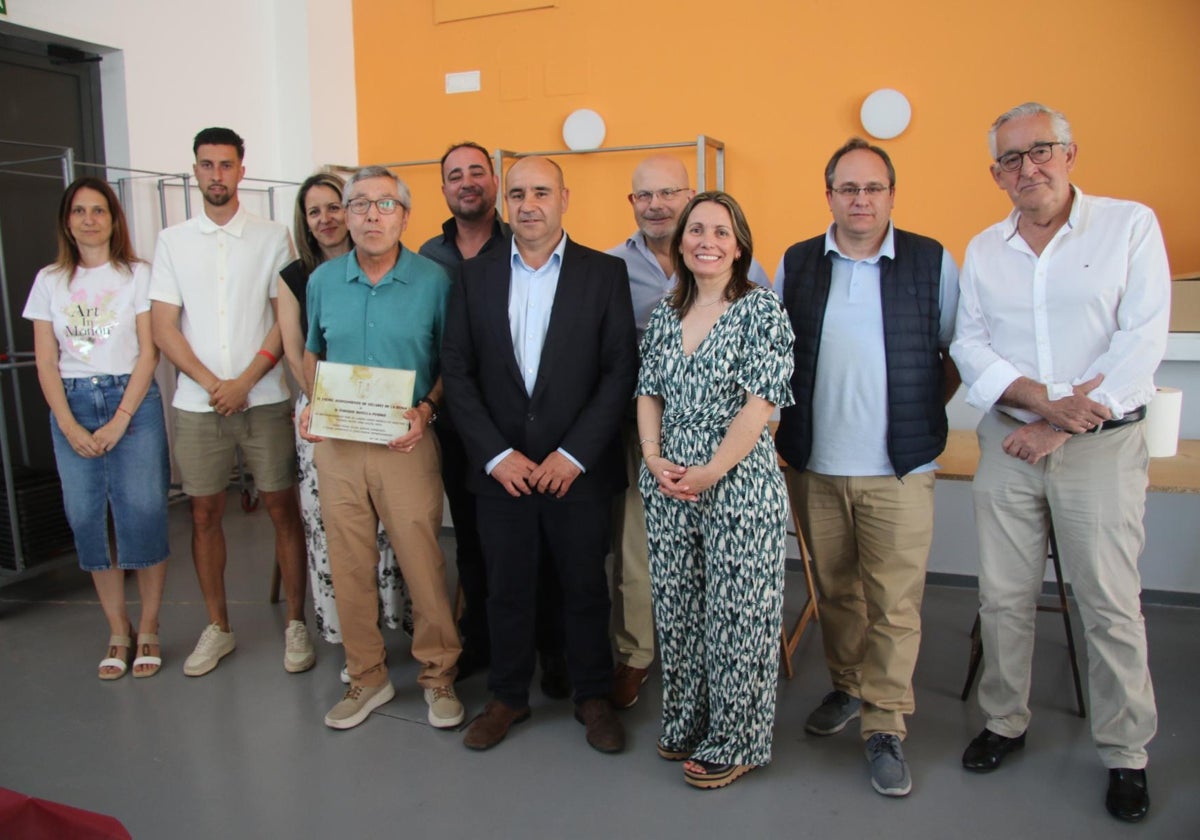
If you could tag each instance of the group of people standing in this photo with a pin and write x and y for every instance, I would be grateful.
(556, 440)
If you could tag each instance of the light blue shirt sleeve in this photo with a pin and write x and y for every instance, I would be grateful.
(778, 286)
(492, 464)
(947, 299)
(758, 275)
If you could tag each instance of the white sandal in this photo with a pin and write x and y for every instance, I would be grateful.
(112, 661)
(144, 641)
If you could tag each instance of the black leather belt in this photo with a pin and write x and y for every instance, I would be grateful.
(1135, 416)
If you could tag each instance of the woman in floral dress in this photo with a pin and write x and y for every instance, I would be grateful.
(716, 361)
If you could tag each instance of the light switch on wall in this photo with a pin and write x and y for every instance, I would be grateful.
(466, 82)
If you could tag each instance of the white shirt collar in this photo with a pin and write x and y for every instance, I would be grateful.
(234, 226)
(1010, 224)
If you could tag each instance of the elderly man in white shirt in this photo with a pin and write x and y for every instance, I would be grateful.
(1062, 322)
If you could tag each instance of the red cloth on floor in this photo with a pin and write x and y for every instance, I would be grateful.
(26, 818)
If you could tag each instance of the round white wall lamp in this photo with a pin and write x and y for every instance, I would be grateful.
(583, 129)
(886, 113)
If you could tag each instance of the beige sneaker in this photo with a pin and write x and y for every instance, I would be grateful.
(445, 710)
(214, 644)
(359, 702)
(298, 652)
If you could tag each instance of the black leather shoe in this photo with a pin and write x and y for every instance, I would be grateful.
(1127, 799)
(985, 753)
(555, 683)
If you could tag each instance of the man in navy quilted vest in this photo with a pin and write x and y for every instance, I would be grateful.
(873, 310)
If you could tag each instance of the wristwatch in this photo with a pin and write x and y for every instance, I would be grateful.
(433, 408)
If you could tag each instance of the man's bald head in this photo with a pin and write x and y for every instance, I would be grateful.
(660, 191)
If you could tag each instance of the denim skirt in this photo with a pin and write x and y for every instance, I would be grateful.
(130, 480)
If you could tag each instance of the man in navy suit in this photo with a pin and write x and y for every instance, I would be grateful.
(539, 362)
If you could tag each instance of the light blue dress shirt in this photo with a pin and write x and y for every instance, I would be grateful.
(530, 301)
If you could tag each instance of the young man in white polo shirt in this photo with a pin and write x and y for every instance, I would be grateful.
(213, 313)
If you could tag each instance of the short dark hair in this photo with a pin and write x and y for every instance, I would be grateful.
(467, 144)
(219, 137)
(854, 144)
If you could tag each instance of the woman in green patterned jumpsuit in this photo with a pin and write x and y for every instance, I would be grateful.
(716, 360)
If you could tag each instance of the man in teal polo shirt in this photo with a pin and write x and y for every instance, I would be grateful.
(382, 305)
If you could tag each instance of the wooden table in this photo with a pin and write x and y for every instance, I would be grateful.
(1178, 474)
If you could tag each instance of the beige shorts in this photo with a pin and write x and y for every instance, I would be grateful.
(206, 445)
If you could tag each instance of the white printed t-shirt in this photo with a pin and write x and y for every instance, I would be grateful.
(94, 316)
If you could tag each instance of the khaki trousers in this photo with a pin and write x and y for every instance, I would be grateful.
(633, 614)
(361, 485)
(869, 537)
(1094, 488)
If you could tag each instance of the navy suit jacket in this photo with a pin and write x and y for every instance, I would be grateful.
(586, 376)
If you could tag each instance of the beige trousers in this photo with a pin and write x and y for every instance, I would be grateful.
(633, 613)
(869, 537)
(361, 485)
(1094, 487)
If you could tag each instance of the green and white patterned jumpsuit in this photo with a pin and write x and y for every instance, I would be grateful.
(716, 565)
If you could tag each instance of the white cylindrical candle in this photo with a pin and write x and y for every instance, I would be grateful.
(1162, 422)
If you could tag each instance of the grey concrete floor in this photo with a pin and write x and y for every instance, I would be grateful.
(242, 752)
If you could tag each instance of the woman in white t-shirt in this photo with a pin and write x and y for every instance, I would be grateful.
(95, 362)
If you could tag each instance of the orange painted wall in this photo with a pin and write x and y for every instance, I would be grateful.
(781, 83)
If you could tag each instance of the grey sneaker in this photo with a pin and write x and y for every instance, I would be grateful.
(836, 710)
(445, 710)
(357, 704)
(889, 770)
(214, 643)
(298, 654)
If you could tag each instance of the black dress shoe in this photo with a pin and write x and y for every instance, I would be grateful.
(1127, 799)
(985, 753)
(555, 683)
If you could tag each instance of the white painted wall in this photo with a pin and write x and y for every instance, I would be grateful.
(279, 72)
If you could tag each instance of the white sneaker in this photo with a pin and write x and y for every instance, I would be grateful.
(445, 710)
(214, 643)
(358, 702)
(298, 652)
(345, 675)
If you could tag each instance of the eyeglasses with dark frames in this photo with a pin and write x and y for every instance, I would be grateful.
(1038, 153)
(386, 206)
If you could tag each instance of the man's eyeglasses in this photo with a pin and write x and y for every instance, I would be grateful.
(665, 194)
(1037, 153)
(852, 191)
(386, 206)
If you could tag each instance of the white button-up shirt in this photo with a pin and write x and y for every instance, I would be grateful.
(223, 277)
(1097, 300)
